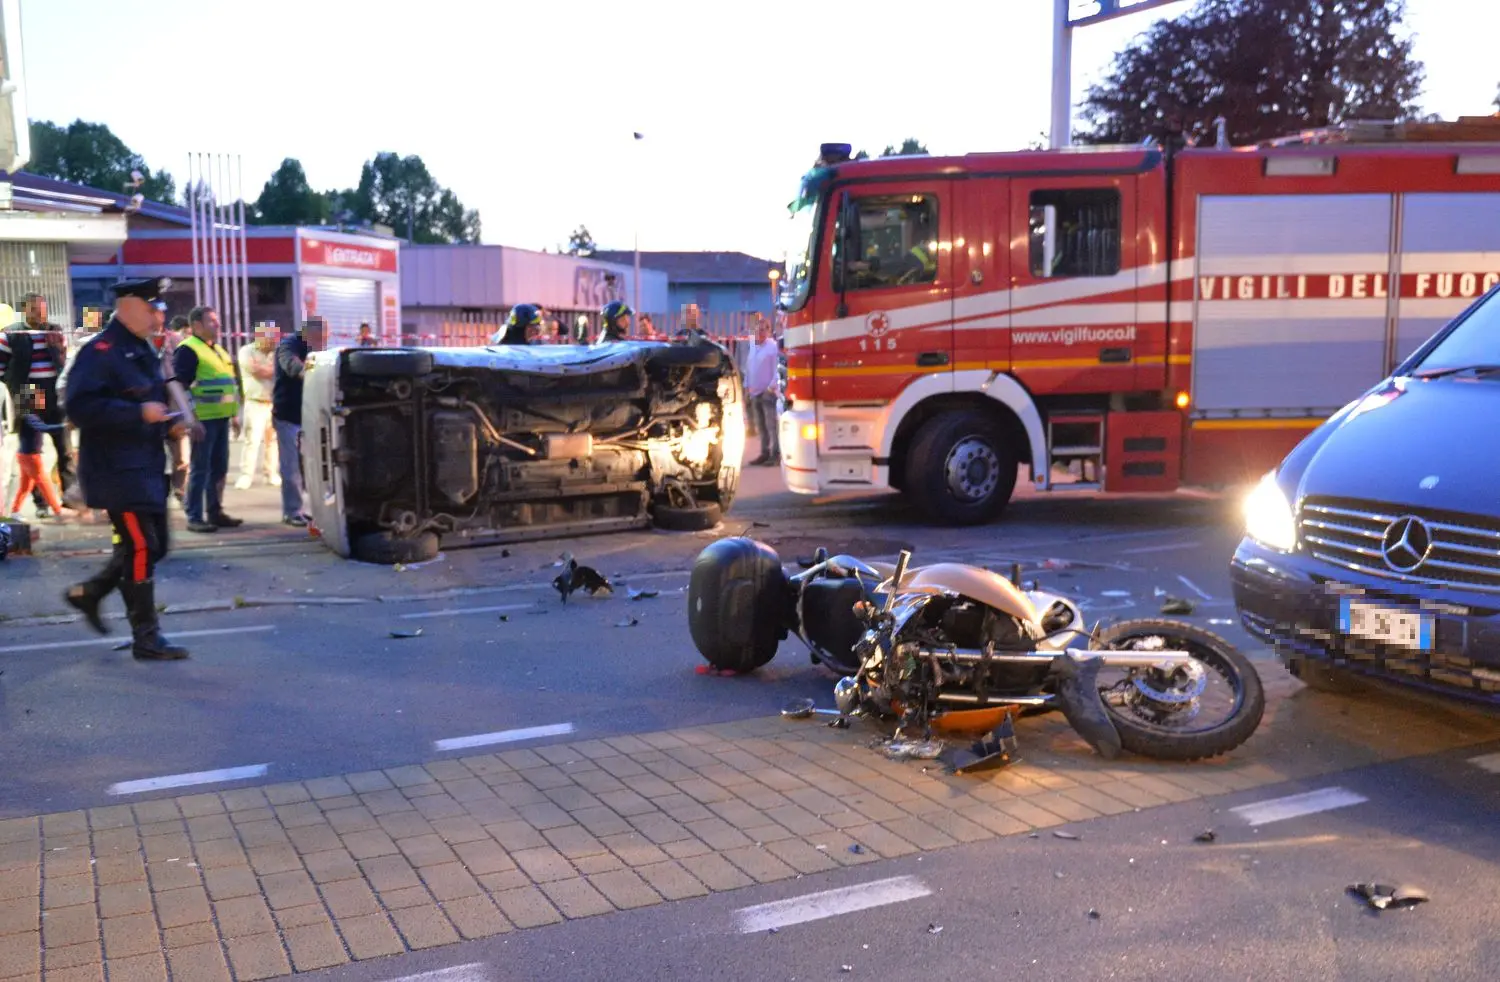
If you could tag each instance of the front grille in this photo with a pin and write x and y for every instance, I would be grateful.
(1351, 533)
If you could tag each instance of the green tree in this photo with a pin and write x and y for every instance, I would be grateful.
(581, 242)
(1268, 67)
(287, 198)
(910, 147)
(400, 192)
(88, 153)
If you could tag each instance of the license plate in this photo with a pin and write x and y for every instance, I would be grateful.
(1387, 625)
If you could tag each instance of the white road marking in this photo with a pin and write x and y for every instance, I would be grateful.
(455, 611)
(1193, 587)
(829, 903)
(95, 642)
(472, 972)
(1488, 762)
(503, 736)
(1293, 806)
(1174, 547)
(185, 780)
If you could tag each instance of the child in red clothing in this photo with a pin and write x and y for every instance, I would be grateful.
(30, 429)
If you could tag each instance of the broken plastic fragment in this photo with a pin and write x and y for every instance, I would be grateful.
(846, 968)
(934, 929)
(1093, 914)
(1207, 835)
(628, 622)
(1381, 897)
(1115, 593)
(644, 594)
(1064, 835)
(1176, 605)
(919, 749)
(414, 633)
(857, 849)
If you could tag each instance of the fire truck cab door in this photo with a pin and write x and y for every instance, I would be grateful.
(1073, 282)
(892, 275)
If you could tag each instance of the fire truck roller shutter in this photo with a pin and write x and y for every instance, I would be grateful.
(1448, 244)
(1288, 317)
(345, 303)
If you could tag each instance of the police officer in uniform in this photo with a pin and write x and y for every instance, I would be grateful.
(117, 399)
(616, 320)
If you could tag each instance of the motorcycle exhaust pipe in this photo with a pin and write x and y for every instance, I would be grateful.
(1110, 659)
(970, 700)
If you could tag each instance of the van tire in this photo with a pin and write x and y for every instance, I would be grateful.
(389, 363)
(698, 518)
(386, 549)
(973, 447)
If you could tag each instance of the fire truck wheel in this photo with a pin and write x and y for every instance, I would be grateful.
(961, 470)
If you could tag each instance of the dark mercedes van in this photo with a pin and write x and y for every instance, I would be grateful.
(1374, 548)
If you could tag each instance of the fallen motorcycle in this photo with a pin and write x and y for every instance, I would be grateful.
(952, 648)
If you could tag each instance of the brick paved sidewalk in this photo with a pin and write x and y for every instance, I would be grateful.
(260, 882)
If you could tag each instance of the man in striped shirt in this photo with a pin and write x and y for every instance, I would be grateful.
(36, 355)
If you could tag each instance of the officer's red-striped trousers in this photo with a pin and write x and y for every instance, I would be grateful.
(140, 541)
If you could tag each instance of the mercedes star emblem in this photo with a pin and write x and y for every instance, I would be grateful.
(1406, 544)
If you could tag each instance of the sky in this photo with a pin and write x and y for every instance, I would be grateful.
(526, 109)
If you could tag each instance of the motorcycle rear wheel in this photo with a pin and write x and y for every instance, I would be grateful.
(1140, 737)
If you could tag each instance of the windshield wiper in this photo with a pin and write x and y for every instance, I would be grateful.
(1441, 372)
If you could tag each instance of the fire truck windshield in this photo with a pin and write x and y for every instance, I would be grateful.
(802, 239)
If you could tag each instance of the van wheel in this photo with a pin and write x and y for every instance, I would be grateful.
(387, 549)
(389, 363)
(961, 471)
(692, 518)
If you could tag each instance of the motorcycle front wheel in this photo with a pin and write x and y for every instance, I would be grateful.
(1161, 714)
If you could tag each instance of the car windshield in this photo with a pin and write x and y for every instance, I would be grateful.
(1475, 343)
(802, 239)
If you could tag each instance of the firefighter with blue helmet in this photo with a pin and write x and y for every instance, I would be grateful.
(615, 321)
(523, 326)
(118, 398)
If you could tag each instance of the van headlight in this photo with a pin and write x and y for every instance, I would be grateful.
(1268, 516)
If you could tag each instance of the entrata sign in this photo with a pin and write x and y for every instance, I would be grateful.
(1081, 12)
(316, 252)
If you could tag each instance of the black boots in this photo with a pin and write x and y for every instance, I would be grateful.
(86, 598)
(140, 604)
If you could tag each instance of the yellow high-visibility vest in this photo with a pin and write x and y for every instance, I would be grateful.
(213, 390)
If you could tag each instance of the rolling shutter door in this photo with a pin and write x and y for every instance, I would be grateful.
(1450, 255)
(1259, 346)
(346, 303)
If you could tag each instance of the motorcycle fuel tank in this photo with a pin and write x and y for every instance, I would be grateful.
(986, 587)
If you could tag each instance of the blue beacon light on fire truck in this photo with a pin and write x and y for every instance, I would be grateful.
(834, 153)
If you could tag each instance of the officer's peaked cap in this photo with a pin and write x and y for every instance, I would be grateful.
(149, 289)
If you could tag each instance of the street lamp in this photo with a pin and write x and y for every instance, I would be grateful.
(775, 277)
(636, 282)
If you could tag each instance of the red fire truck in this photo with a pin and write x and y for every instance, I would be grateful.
(1116, 318)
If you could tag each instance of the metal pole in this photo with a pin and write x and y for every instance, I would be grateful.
(636, 282)
(239, 164)
(1062, 76)
(225, 251)
(192, 204)
(213, 232)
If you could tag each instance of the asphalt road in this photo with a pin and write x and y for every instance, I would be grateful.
(322, 689)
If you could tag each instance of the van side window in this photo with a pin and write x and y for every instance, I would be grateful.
(1075, 233)
(894, 241)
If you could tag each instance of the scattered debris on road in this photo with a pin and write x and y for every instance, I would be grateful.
(934, 929)
(412, 633)
(1207, 835)
(1176, 605)
(1061, 834)
(1378, 896)
(575, 577)
(628, 622)
(644, 594)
